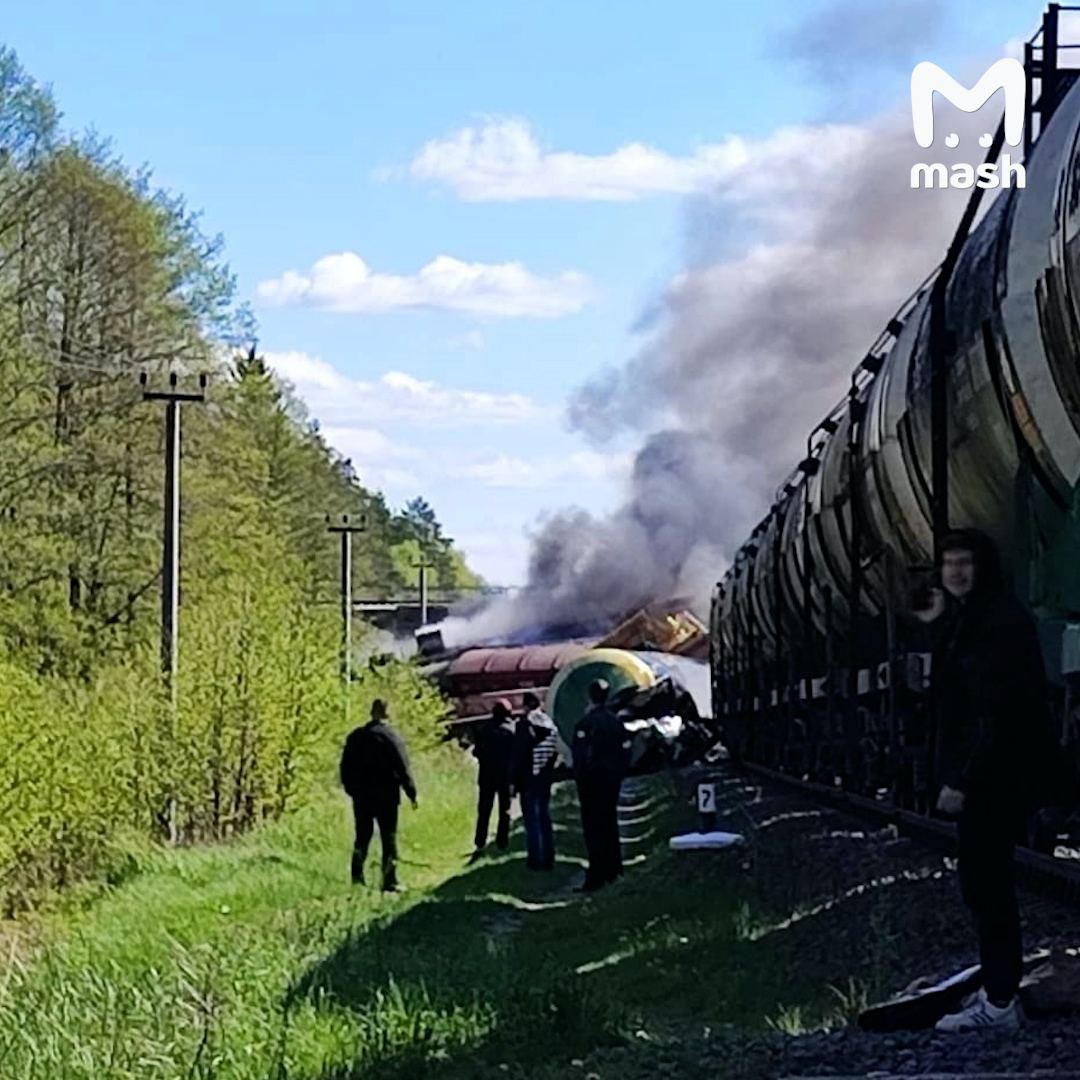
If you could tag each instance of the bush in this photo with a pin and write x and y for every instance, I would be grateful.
(67, 777)
(258, 688)
(258, 724)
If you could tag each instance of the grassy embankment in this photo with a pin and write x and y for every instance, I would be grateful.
(257, 960)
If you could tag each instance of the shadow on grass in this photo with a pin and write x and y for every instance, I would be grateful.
(505, 972)
(461, 974)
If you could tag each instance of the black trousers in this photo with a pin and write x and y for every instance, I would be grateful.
(987, 835)
(488, 794)
(366, 812)
(598, 797)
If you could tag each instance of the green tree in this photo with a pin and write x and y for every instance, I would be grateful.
(102, 278)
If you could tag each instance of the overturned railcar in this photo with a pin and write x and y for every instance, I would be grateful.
(662, 698)
(815, 669)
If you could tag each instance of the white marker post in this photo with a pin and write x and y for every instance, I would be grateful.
(706, 804)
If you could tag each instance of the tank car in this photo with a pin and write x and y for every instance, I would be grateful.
(814, 668)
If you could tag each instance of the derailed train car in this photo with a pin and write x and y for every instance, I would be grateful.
(662, 698)
(659, 697)
(815, 669)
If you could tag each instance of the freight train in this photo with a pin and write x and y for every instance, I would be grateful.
(965, 412)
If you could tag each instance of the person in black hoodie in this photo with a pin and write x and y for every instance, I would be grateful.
(600, 750)
(992, 731)
(374, 771)
(494, 752)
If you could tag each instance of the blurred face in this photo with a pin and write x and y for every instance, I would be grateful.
(958, 573)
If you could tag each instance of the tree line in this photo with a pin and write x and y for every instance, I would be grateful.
(103, 277)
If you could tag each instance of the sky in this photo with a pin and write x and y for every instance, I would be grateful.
(449, 218)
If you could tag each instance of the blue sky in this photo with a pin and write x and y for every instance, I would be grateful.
(308, 131)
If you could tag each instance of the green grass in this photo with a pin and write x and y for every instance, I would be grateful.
(186, 968)
(258, 961)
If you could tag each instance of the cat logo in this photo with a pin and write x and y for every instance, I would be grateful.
(1006, 75)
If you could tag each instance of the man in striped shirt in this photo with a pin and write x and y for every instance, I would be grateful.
(536, 758)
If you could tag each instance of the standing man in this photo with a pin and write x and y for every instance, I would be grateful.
(374, 771)
(992, 733)
(537, 753)
(600, 753)
(494, 750)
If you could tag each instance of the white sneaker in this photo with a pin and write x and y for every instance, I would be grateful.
(982, 1013)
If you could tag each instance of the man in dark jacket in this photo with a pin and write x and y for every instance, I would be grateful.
(600, 750)
(992, 733)
(374, 771)
(494, 751)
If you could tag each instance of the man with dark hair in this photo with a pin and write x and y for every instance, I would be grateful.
(992, 734)
(537, 752)
(600, 753)
(374, 771)
(494, 751)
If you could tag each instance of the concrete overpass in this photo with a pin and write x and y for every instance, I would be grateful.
(399, 617)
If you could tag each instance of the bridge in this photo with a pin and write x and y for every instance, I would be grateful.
(400, 617)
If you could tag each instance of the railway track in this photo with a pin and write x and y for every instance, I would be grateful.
(1049, 875)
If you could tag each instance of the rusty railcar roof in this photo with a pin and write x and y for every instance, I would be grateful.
(515, 658)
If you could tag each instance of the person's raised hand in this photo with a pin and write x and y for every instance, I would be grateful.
(934, 609)
(950, 801)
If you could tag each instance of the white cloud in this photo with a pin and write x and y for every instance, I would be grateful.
(367, 443)
(500, 556)
(503, 160)
(379, 461)
(385, 479)
(343, 282)
(353, 415)
(516, 472)
(1014, 48)
(1068, 32)
(338, 401)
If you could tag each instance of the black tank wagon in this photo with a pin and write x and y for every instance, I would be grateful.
(965, 411)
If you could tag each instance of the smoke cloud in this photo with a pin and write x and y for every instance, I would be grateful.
(793, 268)
(844, 41)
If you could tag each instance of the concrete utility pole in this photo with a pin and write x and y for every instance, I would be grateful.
(170, 563)
(170, 558)
(423, 566)
(345, 527)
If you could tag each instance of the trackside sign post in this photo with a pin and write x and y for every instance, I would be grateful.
(706, 804)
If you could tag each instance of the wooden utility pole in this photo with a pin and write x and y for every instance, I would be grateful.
(345, 527)
(423, 566)
(170, 563)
